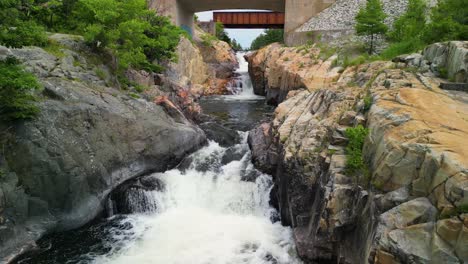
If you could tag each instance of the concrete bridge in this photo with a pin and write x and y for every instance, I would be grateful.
(297, 12)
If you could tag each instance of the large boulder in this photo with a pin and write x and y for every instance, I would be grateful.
(57, 170)
(450, 56)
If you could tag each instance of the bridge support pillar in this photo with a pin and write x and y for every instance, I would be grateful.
(299, 12)
(179, 15)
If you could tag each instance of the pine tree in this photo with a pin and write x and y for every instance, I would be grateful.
(370, 21)
(411, 24)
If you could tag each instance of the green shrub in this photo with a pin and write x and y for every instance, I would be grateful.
(101, 74)
(208, 39)
(368, 101)
(16, 92)
(23, 33)
(355, 162)
(404, 47)
(55, 49)
(443, 72)
(355, 61)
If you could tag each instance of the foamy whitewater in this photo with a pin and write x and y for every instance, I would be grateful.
(210, 212)
(207, 217)
(242, 87)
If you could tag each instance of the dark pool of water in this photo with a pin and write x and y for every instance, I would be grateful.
(240, 114)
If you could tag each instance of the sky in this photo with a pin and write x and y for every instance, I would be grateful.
(243, 36)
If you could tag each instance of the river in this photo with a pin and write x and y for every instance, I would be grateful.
(212, 209)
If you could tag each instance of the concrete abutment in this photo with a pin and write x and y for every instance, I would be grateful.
(297, 12)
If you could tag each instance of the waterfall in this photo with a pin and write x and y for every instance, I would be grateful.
(218, 215)
(242, 87)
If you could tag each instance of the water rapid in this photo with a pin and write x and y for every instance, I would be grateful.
(212, 209)
(209, 212)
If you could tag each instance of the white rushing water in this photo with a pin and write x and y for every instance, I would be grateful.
(208, 217)
(242, 87)
(214, 211)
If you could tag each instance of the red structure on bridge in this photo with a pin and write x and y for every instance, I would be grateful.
(250, 19)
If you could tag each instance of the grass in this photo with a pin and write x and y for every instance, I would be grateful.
(101, 73)
(55, 49)
(134, 95)
(208, 39)
(368, 101)
(400, 48)
(76, 63)
(139, 88)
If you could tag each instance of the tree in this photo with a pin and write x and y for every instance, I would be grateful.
(268, 37)
(449, 21)
(136, 36)
(370, 21)
(221, 34)
(16, 92)
(410, 24)
(407, 32)
(17, 27)
(236, 45)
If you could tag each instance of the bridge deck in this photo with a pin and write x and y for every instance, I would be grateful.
(250, 19)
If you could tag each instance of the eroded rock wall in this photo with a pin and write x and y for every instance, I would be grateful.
(412, 205)
(275, 70)
(57, 170)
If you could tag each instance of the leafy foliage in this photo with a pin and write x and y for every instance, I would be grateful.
(16, 92)
(355, 162)
(409, 25)
(236, 45)
(17, 28)
(412, 31)
(221, 34)
(135, 35)
(449, 21)
(370, 21)
(268, 37)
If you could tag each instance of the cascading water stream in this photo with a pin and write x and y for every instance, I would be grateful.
(212, 209)
(242, 87)
(218, 214)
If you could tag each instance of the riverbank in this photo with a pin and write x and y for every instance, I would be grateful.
(403, 198)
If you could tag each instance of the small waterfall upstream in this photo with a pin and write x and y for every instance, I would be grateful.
(242, 87)
(214, 208)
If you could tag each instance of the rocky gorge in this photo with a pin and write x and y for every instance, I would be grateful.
(57, 171)
(96, 150)
(409, 203)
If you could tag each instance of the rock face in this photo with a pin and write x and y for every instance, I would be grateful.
(220, 61)
(411, 207)
(58, 169)
(203, 68)
(451, 57)
(276, 70)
